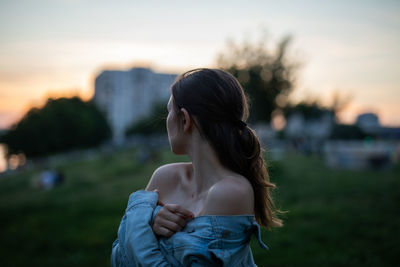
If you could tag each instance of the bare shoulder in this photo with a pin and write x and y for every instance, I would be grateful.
(166, 176)
(230, 196)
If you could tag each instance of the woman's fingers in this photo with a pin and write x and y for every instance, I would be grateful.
(170, 219)
(175, 208)
(175, 227)
(164, 232)
(178, 209)
(166, 215)
(160, 224)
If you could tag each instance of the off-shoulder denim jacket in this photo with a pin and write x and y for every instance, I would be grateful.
(205, 241)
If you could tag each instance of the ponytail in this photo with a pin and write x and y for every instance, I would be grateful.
(258, 176)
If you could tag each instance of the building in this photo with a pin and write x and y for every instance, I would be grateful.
(127, 96)
(368, 122)
(307, 134)
(297, 126)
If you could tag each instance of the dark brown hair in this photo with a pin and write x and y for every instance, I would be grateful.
(218, 103)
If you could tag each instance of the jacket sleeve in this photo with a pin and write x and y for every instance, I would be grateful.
(135, 236)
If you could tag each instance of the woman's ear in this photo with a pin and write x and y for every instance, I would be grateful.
(186, 120)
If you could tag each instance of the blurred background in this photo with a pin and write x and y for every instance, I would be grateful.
(83, 92)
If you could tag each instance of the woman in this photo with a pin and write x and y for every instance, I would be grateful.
(210, 203)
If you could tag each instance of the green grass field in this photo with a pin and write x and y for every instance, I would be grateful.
(333, 218)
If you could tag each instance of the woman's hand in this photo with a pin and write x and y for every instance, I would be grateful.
(170, 219)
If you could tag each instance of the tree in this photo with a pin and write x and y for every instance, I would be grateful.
(62, 124)
(267, 77)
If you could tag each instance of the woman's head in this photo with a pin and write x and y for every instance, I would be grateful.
(215, 102)
(210, 97)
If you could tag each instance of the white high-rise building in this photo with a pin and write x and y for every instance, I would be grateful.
(127, 96)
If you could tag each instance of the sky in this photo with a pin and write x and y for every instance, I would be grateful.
(57, 47)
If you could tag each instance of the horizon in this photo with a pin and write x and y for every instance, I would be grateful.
(345, 48)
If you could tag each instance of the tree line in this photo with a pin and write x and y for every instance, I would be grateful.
(60, 125)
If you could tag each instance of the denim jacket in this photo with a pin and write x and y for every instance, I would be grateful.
(205, 240)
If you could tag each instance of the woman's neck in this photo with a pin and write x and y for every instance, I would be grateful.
(207, 169)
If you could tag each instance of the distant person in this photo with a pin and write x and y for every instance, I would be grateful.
(201, 213)
(48, 179)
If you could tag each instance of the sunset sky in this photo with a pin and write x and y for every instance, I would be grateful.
(57, 47)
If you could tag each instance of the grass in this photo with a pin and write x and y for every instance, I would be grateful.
(333, 218)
